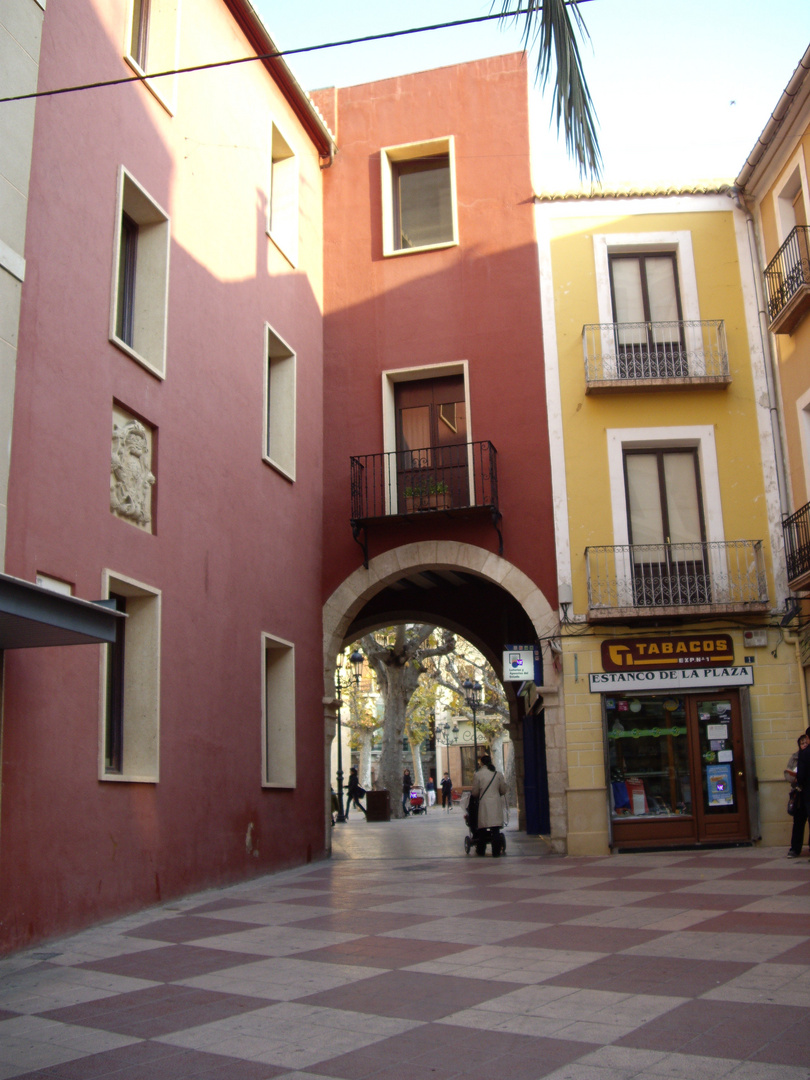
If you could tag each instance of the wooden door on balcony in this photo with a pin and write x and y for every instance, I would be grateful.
(666, 528)
(647, 314)
(432, 467)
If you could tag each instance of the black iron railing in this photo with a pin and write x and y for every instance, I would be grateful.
(788, 270)
(715, 576)
(430, 480)
(796, 531)
(691, 351)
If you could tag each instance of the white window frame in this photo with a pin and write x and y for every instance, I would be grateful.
(677, 241)
(283, 195)
(390, 378)
(280, 403)
(412, 152)
(794, 179)
(700, 437)
(278, 769)
(151, 297)
(162, 48)
(141, 730)
(803, 412)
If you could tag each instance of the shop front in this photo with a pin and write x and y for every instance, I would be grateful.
(676, 713)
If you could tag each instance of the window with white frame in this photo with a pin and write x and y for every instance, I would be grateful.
(282, 209)
(665, 496)
(419, 196)
(649, 314)
(131, 683)
(278, 712)
(141, 276)
(151, 42)
(279, 405)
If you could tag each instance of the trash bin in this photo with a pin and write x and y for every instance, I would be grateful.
(378, 806)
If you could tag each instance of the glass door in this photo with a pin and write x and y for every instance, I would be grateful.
(718, 765)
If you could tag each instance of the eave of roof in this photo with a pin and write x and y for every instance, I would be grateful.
(797, 90)
(708, 187)
(34, 617)
(256, 32)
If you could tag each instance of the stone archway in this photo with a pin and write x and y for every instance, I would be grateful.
(348, 600)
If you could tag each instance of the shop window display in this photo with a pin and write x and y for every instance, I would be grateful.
(649, 757)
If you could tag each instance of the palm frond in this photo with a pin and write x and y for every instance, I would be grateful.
(548, 25)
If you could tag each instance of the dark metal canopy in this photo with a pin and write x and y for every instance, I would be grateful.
(32, 617)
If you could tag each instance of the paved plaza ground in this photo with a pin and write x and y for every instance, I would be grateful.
(404, 959)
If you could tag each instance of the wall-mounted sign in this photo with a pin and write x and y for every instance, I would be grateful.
(522, 663)
(607, 682)
(678, 650)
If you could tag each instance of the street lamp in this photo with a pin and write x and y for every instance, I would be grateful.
(443, 731)
(472, 695)
(343, 680)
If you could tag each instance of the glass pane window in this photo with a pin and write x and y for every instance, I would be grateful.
(648, 752)
(424, 203)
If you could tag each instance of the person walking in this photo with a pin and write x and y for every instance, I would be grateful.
(354, 793)
(803, 780)
(406, 791)
(489, 787)
(799, 813)
(447, 792)
(430, 788)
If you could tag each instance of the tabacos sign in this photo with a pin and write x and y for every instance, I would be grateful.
(676, 651)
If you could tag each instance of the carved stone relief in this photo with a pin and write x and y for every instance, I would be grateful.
(131, 479)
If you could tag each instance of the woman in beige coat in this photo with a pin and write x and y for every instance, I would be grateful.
(489, 787)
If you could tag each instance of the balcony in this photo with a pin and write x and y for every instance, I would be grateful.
(796, 531)
(655, 355)
(787, 278)
(436, 481)
(665, 580)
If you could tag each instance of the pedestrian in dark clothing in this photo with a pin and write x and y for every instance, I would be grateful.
(799, 812)
(406, 791)
(803, 775)
(447, 792)
(354, 792)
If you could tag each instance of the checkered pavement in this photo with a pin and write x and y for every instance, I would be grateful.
(683, 965)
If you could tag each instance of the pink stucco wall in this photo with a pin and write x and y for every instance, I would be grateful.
(236, 549)
(478, 301)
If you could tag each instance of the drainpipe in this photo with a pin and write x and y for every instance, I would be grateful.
(738, 197)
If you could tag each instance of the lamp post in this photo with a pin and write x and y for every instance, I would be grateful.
(472, 695)
(444, 730)
(343, 680)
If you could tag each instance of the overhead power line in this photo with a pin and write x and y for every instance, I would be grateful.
(268, 56)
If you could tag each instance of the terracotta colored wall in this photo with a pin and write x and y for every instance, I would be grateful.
(236, 550)
(478, 301)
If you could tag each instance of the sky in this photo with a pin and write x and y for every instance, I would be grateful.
(682, 90)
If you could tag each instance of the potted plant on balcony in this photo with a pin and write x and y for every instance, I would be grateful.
(426, 493)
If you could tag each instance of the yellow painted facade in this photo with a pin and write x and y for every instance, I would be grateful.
(728, 425)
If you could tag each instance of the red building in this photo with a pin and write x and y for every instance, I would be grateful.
(170, 317)
(435, 425)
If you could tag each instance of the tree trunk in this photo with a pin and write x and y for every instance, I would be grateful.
(366, 738)
(417, 771)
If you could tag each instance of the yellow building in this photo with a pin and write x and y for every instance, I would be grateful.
(680, 687)
(774, 186)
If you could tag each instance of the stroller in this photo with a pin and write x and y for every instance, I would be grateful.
(417, 803)
(479, 838)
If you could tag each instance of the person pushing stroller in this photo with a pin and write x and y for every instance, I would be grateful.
(488, 787)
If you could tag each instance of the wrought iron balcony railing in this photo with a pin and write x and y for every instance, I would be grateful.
(796, 531)
(787, 278)
(449, 480)
(695, 578)
(435, 478)
(619, 355)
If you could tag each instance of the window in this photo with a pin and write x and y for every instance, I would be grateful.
(131, 681)
(279, 406)
(647, 314)
(665, 521)
(151, 45)
(278, 713)
(141, 278)
(418, 197)
(282, 215)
